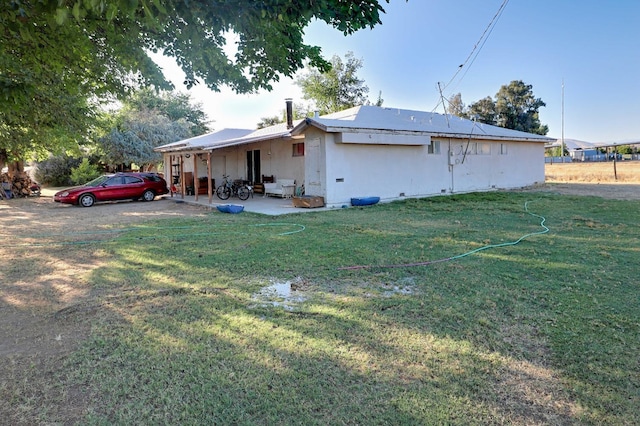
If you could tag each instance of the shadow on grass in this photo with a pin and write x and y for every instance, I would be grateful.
(528, 334)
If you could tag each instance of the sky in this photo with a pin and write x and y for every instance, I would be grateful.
(584, 55)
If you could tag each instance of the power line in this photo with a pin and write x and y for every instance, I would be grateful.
(479, 45)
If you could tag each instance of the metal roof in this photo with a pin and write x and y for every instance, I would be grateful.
(361, 118)
(277, 131)
(229, 137)
(204, 141)
(379, 119)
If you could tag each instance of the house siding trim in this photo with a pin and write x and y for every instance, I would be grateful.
(377, 138)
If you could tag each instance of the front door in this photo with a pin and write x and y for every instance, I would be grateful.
(253, 166)
(313, 164)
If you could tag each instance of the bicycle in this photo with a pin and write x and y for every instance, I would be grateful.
(233, 188)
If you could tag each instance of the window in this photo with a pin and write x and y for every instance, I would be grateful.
(113, 181)
(131, 179)
(433, 147)
(484, 149)
(470, 148)
(298, 149)
(503, 149)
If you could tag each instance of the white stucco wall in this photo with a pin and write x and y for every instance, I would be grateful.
(276, 158)
(497, 165)
(387, 171)
(339, 171)
(396, 171)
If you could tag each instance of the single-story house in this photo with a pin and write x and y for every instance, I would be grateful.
(368, 151)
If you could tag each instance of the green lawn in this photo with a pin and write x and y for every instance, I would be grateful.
(543, 332)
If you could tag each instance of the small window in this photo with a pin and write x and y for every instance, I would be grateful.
(298, 149)
(470, 148)
(433, 147)
(503, 149)
(484, 149)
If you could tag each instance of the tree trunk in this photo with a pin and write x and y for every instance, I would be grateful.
(13, 167)
(3, 158)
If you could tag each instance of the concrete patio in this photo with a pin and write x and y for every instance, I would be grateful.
(272, 206)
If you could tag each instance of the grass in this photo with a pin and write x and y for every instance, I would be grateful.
(543, 332)
(624, 172)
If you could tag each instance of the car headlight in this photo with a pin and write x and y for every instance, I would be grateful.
(64, 194)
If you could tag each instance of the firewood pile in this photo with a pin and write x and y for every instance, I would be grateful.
(20, 184)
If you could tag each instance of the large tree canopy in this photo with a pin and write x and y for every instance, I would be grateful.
(146, 121)
(515, 107)
(174, 105)
(195, 32)
(65, 55)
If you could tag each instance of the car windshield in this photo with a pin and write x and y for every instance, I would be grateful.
(98, 181)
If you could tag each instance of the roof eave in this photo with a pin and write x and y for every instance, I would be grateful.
(237, 142)
(336, 129)
(307, 122)
(489, 137)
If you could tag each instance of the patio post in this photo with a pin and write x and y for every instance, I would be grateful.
(211, 189)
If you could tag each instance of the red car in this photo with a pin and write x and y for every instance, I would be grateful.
(119, 186)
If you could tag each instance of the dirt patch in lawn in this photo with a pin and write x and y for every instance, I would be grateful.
(611, 191)
(40, 283)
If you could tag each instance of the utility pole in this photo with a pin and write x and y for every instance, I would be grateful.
(562, 137)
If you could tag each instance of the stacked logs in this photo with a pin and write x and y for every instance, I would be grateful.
(20, 184)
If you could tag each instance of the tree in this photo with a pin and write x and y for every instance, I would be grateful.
(336, 89)
(269, 34)
(45, 105)
(146, 121)
(483, 111)
(70, 53)
(517, 108)
(140, 132)
(84, 173)
(379, 101)
(173, 105)
(456, 106)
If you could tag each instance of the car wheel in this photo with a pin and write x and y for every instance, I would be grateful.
(148, 195)
(86, 200)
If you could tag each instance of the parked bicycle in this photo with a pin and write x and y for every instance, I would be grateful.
(230, 188)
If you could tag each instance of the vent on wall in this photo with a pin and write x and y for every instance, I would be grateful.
(339, 179)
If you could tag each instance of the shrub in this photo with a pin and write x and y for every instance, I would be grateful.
(84, 172)
(56, 170)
